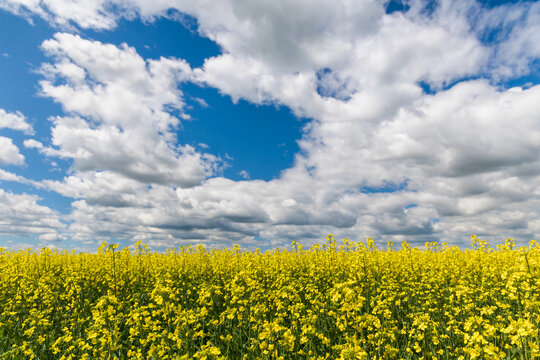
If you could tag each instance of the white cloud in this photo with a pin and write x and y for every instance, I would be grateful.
(472, 128)
(106, 79)
(220, 211)
(101, 188)
(281, 46)
(121, 106)
(52, 236)
(15, 121)
(93, 14)
(9, 176)
(33, 144)
(21, 215)
(9, 152)
(513, 29)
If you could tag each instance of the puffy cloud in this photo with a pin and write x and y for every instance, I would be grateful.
(462, 156)
(218, 211)
(470, 129)
(106, 79)
(15, 121)
(9, 176)
(121, 106)
(282, 46)
(33, 144)
(113, 206)
(9, 152)
(21, 215)
(511, 29)
(93, 14)
(394, 53)
(101, 188)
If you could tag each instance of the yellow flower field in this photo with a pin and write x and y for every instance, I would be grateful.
(349, 301)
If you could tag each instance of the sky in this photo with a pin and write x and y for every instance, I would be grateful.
(222, 122)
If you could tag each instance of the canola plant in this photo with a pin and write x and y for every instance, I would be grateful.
(349, 301)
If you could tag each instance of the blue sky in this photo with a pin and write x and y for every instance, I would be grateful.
(225, 122)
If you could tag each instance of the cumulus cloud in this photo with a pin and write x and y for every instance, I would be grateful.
(511, 29)
(9, 176)
(121, 108)
(394, 50)
(21, 215)
(103, 188)
(462, 156)
(473, 128)
(112, 205)
(33, 144)
(9, 152)
(15, 121)
(218, 211)
(93, 14)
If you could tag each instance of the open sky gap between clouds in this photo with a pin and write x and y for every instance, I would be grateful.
(420, 123)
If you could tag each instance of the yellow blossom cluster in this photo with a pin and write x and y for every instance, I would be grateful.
(348, 301)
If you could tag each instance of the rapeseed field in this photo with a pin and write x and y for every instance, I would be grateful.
(331, 301)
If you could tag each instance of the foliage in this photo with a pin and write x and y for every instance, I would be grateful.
(351, 301)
